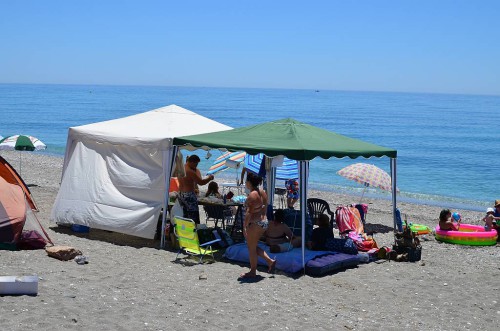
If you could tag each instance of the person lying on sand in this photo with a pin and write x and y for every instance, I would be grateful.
(446, 221)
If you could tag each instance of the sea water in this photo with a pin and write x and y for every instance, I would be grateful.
(448, 145)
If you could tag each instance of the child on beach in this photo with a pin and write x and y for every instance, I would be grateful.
(213, 190)
(490, 219)
(446, 220)
(292, 187)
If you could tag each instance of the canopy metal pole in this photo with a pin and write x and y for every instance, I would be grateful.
(168, 164)
(303, 176)
(393, 182)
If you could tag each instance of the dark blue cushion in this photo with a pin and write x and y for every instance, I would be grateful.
(329, 263)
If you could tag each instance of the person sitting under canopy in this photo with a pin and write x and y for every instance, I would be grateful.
(279, 237)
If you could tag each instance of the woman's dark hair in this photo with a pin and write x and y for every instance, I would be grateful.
(254, 179)
(443, 214)
(213, 187)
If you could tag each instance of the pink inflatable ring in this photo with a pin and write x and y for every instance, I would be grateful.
(468, 234)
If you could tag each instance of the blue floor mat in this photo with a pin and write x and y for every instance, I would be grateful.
(290, 262)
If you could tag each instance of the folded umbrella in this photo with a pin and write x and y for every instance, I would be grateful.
(226, 160)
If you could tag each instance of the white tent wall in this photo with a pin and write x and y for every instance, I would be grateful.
(112, 187)
(114, 171)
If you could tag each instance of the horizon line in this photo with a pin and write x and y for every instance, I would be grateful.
(256, 88)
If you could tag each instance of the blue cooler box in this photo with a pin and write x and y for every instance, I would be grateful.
(80, 228)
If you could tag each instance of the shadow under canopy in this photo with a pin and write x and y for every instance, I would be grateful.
(296, 141)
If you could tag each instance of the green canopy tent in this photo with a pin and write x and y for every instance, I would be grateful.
(293, 139)
(297, 141)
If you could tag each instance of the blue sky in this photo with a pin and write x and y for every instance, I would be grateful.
(416, 46)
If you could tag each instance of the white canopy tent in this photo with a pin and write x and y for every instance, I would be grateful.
(114, 174)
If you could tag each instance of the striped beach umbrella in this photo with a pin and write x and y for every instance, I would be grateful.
(289, 169)
(21, 143)
(221, 163)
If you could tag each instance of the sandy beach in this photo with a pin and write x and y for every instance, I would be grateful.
(130, 284)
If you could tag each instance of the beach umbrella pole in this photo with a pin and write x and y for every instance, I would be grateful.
(20, 164)
(363, 194)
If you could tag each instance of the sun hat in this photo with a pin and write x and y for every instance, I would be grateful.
(497, 203)
(490, 210)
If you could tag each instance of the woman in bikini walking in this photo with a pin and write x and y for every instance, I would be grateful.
(255, 224)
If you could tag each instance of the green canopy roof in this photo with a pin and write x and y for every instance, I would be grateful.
(288, 137)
